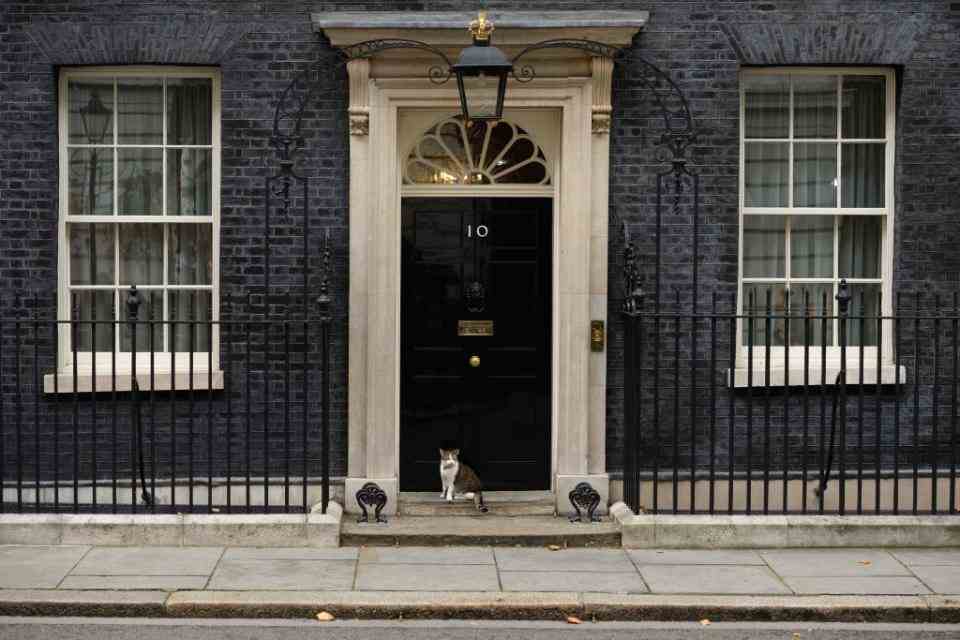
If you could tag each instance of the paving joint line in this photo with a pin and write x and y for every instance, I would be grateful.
(74, 567)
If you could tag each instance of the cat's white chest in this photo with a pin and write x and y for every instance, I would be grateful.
(449, 473)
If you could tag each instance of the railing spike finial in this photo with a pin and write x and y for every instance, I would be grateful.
(134, 299)
(843, 297)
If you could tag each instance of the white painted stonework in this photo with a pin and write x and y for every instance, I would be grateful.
(567, 108)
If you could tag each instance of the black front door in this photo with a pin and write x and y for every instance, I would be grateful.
(475, 339)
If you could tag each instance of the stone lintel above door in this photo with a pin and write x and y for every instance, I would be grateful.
(514, 30)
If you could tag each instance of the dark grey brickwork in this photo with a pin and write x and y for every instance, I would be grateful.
(260, 45)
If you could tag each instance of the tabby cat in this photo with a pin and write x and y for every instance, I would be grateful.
(459, 479)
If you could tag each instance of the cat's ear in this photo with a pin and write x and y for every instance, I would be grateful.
(456, 452)
(441, 451)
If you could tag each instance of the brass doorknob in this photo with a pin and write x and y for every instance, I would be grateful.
(474, 361)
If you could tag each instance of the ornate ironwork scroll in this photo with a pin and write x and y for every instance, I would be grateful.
(584, 497)
(633, 292)
(371, 495)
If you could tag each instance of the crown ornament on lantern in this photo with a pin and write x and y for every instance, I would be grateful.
(481, 28)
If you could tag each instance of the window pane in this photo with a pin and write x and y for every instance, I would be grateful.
(91, 253)
(767, 106)
(815, 106)
(860, 246)
(864, 106)
(191, 309)
(190, 251)
(94, 312)
(814, 174)
(91, 182)
(764, 246)
(765, 178)
(151, 308)
(757, 305)
(188, 182)
(863, 175)
(189, 110)
(811, 246)
(141, 254)
(140, 181)
(91, 111)
(140, 103)
(862, 324)
(813, 301)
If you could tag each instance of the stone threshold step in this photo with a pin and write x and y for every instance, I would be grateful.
(489, 530)
(500, 503)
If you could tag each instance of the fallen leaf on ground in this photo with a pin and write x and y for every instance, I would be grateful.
(554, 547)
(705, 621)
(796, 636)
(324, 616)
(574, 620)
(865, 563)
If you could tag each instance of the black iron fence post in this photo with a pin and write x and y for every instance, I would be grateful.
(134, 300)
(323, 307)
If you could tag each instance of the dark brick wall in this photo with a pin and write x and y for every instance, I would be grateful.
(260, 45)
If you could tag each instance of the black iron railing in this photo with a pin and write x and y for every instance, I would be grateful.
(809, 405)
(96, 415)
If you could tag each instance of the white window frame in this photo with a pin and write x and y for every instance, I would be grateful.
(778, 374)
(163, 363)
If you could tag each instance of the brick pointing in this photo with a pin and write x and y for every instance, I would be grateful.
(259, 46)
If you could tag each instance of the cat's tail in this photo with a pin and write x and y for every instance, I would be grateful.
(482, 508)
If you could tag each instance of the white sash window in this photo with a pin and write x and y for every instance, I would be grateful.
(816, 207)
(139, 205)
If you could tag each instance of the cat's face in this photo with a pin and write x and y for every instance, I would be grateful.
(449, 457)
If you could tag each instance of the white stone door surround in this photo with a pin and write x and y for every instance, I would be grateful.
(574, 84)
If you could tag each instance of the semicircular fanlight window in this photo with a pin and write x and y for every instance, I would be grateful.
(452, 152)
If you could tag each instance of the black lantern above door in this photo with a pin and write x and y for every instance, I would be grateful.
(481, 72)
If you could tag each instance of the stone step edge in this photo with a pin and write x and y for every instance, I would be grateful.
(720, 531)
(476, 605)
(260, 530)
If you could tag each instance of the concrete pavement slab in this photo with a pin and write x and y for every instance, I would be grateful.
(149, 561)
(308, 575)
(695, 556)
(944, 579)
(427, 555)
(857, 585)
(919, 557)
(134, 583)
(572, 581)
(33, 567)
(290, 553)
(592, 560)
(717, 579)
(436, 577)
(834, 562)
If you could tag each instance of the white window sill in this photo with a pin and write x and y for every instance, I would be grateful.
(203, 380)
(778, 375)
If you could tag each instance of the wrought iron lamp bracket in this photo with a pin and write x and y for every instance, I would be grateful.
(678, 135)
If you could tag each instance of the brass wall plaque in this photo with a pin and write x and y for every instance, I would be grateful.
(475, 328)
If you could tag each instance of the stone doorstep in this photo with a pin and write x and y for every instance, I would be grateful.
(259, 530)
(772, 532)
(476, 605)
